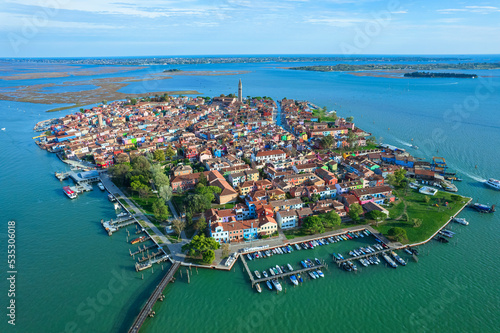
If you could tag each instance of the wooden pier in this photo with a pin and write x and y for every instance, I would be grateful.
(148, 307)
(339, 262)
(139, 250)
(278, 276)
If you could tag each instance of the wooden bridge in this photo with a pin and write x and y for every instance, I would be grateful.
(146, 310)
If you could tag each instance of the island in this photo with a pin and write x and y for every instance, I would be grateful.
(400, 67)
(441, 75)
(203, 177)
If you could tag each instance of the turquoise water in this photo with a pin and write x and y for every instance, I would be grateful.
(65, 260)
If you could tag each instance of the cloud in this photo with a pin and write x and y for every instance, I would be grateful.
(471, 9)
(335, 22)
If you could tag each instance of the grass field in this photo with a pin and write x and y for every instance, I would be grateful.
(433, 214)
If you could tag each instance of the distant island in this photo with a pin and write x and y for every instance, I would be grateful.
(171, 70)
(380, 67)
(441, 75)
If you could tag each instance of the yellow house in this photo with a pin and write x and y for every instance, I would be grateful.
(245, 188)
(276, 194)
(267, 225)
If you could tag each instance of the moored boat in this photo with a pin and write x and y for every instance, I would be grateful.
(320, 273)
(300, 278)
(293, 278)
(265, 274)
(101, 186)
(138, 240)
(259, 289)
(483, 208)
(269, 285)
(69, 192)
(290, 268)
(277, 285)
(257, 274)
(460, 220)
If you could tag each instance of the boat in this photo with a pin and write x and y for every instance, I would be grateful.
(111, 198)
(138, 240)
(320, 273)
(69, 192)
(303, 264)
(269, 285)
(257, 274)
(249, 256)
(101, 187)
(271, 270)
(460, 220)
(277, 285)
(144, 265)
(259, 289)
(300, 278)
(414, 146)
(293, 278)
(315, 274)
(493, 183)
(265, 274)
(279, 269)
(442, 239)
(297, 247)
(276, 272)
(448, 186)
(290, 268)
(398, 258)
(317, 261)
(312, 275)
(389, 260)
(483, 208)
(408, 250)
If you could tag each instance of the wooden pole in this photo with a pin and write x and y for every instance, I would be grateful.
(187, 272)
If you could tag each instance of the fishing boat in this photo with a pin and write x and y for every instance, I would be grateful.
(293, 278)
(493, 183)
(257, 274)
(69, 192)
(269, 285)
(300, 278)
(483, 208)
(277, 285)
(398, 258)
(460, 220)
(101, 187)
(138, 240)
(259, 289)
(265, 274)
(290, 268)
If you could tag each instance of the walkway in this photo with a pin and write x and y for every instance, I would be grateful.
(137, 212)
(148, 307)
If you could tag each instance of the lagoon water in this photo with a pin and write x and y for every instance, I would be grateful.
(72, 277)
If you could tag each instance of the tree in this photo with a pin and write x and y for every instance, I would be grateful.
(331, 219)
(315, 197)
(352, 139)
(140, 165)
(201, 224)
(327, 141)
(427, 199)
(165, 192)
(160, 210)
(119, 173)
(208, 256)
(202, 179)
(161, 179)
(313, 225)
(400, 176)
(417, 223)
(170, 152)
(122, 158)
(225, 250)
(178, 225)
(133, 101)
(391, 179)
(405, 216)
(349, 119)
(398, 233)
(159, 155)
(376, 215)
(371, 140)
(355, 210)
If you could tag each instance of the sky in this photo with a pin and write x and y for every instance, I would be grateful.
(98, 28)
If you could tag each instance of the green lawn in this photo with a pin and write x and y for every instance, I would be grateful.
(294, 233)
(433, 214)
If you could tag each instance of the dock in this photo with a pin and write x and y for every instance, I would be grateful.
(339, 262)
(62, 175)
(278, 276)
(148, 307)
(139, 250)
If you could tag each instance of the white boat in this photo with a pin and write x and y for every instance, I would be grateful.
(265, 274)
(293, 278)
(259, 289)
(101, 187)
(257, 274)
(493, 183)
(111, 198)
(312, 275)
(320, 273)
(290, 268)
(69, 192)
(461, 220)
(277, 285)
(249, 256)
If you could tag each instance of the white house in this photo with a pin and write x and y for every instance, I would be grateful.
(287, 218)
(269, 156)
